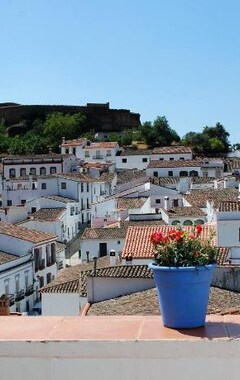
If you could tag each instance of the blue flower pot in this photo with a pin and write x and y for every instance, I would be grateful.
(183, 294)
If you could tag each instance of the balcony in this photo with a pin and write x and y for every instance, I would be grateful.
(98, 157)
(29, 290)
(19, 295)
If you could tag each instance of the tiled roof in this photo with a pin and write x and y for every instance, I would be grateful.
(184, 211)
(24, 233)
(74, 142)
(229, 206)
(104, 233)
(175, 164)
(73, 277)
(164, 181)
(60, 247)
(231, 164)
(198, 198)
(60, 199)
(222, 255)
(126, 203)
(136, 152)
(102, 145)
(140, 223)
(173, 149)
(1, 169)
(124, 271)
(33, 157)
(79, 177)
(221, 301)
(125, 176)
(200, 180)
(6, 257)
(138, 245)
(48, 214)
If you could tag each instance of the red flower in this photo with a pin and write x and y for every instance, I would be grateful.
(156, 237)
(198, 229)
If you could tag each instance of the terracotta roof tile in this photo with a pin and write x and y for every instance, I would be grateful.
(199, 198)
(221, 301)
(184, 211)
(173, 149)
(24, 233)
(58, 198)
(74, 142)
(126, 203)
(48, 214)
(104, 233)
(6, 257)
(138, 245)
(174, 164)
(102, 145)
(124, 271)
(79, 177)
(230, 206)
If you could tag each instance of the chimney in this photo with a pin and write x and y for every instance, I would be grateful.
(4, 305)
(63, 140)
(94, 266)
(87, 254)
(113, 258)
(166, 203)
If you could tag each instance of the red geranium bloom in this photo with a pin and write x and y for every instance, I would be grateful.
(198, 229)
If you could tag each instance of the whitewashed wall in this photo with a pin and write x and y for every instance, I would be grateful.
(66, 304)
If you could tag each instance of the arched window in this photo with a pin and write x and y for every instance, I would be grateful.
(175, 222)
(193, 173)
(198, 221)
(187, 223)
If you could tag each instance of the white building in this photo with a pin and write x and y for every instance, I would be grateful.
(88, 151)
(16, 280)
(187, 168)
(45, 164)
(137, 159)
(22, 241)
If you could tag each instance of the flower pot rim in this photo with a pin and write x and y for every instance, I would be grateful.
(178, 269)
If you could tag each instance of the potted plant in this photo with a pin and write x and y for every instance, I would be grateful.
(182, 270)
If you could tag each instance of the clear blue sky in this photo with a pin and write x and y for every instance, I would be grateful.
(178, 58)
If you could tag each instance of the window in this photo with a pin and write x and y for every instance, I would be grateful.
(44, 186)
(23, 201)
(171, 158)
(87, 153)
(144, 159)
(82, 187)
(12, 173)
(155, 174)
(124, 160)
(33, 171)
(74, 150)
(183, 173)
(170, 173)
(23, 172)
(53, 252)
(98, 154)
(6, 285)
(53, 170)
(63, 185)
(182, 158)
(49, 277)
(87, 187)
(9, 203)
(109, 153)
(119, 242)
(42, 171)
(72, 211)
(66, 151)
(175, 202)
(34, 209)
(161, 159)
(158, 201)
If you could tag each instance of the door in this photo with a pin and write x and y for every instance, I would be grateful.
(102, 249)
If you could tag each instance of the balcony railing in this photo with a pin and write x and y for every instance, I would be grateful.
(11, 299)
(98, 157)
(29, 290)
(19, 295)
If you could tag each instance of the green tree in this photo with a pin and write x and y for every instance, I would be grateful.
(159, 133)
(58, 125)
